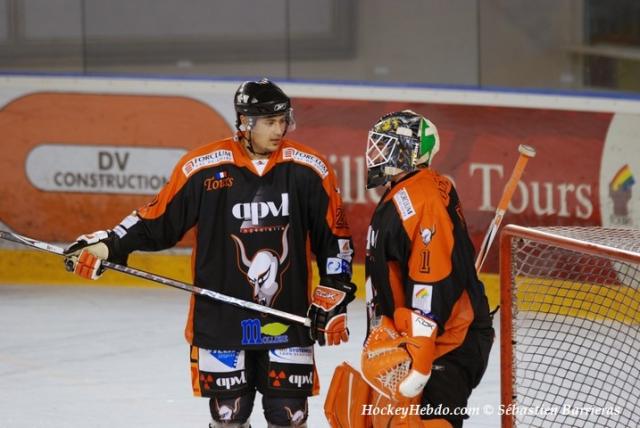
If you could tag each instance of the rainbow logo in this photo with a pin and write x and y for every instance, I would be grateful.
(424, 292)
(623, 180)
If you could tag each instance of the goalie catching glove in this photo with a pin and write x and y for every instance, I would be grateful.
(397, 356)
(328, 311)
(84, 257)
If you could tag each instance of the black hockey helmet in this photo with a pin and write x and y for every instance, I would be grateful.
(262, 98)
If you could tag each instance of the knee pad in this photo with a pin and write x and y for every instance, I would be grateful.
(231, 412)
(281, 412)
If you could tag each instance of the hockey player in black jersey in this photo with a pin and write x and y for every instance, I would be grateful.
(259, 205)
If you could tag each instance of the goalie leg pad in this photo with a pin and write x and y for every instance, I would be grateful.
(402, 419)
(347, 396)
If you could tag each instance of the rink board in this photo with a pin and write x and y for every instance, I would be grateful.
(114, 141)
(37, 268)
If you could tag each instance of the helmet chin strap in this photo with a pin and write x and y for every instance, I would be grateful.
(249, 145)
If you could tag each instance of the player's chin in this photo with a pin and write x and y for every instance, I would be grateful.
(274, 144)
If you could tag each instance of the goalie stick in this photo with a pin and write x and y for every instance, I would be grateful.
(526, 153)
(44, 246)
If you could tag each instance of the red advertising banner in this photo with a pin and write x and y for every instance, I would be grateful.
(479, 147)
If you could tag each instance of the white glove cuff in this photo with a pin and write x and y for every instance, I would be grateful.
(413, 384)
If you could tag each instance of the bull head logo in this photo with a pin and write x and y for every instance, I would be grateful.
(226, 413)
(262, 269)
(298, 417)
(427, 234)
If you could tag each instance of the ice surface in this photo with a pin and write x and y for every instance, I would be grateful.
(116, 357)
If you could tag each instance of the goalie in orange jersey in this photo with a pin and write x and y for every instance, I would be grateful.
(429, 326)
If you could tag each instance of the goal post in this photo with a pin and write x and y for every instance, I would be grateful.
(569, 327)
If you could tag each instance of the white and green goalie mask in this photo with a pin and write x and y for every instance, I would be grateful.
(399, 142)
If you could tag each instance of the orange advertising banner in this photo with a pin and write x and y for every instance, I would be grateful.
(72, 163)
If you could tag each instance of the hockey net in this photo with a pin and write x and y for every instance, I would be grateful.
(570, 327)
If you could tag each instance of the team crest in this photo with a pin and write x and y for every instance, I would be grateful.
(226, 412)
(264, 269)
(427, 234)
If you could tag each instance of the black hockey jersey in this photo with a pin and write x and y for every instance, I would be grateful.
(254, 235)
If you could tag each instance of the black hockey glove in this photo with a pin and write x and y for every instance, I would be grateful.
(328, 311)
(84, 257)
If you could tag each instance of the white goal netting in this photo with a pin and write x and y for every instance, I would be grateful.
(573, 316)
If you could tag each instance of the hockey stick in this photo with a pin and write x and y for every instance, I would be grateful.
(526, 153)
(14, 237)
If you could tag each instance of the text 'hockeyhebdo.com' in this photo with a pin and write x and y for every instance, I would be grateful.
(488, 409)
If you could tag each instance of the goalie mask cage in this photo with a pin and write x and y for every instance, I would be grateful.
(570, 327)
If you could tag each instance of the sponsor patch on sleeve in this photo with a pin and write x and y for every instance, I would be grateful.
(214, 158)
(314, 162)
(346, 252)
(404, 204)
(336, 265)
(421, 298)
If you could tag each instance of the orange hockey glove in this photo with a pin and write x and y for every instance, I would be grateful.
(397, 356)
(328, 311)
(84, 257)
(420, 332)
(383, 361)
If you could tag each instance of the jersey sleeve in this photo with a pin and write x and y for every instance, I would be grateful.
(330, 236)
(425, 260)
(432, 281)
(163, 222)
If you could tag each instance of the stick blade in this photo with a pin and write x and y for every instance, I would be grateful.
(44, 246)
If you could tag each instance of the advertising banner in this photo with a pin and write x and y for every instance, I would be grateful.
(479, 147)
(74, 161)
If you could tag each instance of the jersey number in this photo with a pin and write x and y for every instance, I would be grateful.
(341, 219)
(424, 261)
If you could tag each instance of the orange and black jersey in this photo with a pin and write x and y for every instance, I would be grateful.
(254, 235)
(419, 256)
